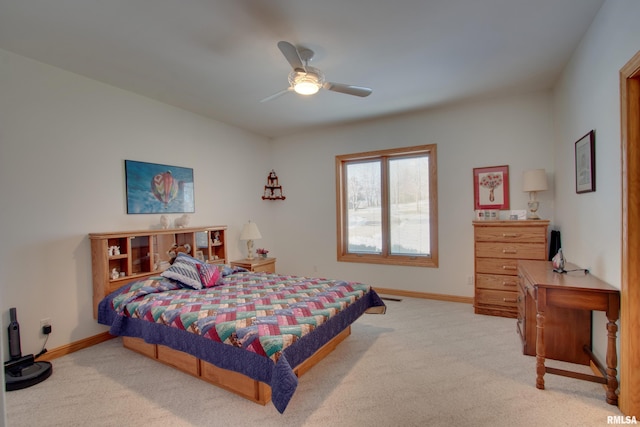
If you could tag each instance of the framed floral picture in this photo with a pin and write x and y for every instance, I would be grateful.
(491, 187)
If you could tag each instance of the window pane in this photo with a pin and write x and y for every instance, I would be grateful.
(409, 206)
(364, 214)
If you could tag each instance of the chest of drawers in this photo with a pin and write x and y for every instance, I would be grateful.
(498, 247)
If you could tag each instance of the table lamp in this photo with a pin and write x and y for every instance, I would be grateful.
(533, 181)
(250, 233)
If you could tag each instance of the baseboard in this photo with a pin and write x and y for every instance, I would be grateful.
(75, 346)
(424, 295)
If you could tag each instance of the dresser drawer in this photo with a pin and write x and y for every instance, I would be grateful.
(497, 282)
(494, 297)
(531, 234)
(497, 266)
(511, 250)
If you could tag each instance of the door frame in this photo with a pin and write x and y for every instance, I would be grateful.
(629, 399)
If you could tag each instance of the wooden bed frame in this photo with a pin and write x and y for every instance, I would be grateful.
(234, 382)
(103, 285)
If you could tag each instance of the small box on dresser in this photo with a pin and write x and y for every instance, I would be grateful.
(498, 245)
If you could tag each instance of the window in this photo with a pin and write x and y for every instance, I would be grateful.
(387, 206)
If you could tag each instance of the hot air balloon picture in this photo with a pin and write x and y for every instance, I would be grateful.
(157, 188)
(491, 187)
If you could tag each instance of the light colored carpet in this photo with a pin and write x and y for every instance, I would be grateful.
(424, 363)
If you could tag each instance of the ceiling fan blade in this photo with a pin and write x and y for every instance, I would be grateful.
(275, 95)
(291, 55)
(348, 89)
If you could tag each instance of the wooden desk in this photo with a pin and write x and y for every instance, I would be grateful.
(573, 290)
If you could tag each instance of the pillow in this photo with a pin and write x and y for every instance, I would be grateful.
(209, 275)
(226, 270)
(184, 270)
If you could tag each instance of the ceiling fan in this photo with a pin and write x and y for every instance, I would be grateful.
(307, 80)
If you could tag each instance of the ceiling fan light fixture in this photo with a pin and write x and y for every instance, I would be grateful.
(306, 82)
(304, 87)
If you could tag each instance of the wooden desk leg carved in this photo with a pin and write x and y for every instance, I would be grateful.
(612, 362)
(540, 350)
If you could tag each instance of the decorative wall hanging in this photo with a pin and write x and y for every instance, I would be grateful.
(585, 161)
(156, 188)
(273, 190)
(491, 187)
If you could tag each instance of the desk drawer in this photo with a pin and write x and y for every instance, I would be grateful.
(533, 234)
(510, 250)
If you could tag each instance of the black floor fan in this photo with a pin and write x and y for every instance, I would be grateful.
(22, 371)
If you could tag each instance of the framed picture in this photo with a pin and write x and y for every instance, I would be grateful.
(491, 187)
(585, 162)
(156, 188)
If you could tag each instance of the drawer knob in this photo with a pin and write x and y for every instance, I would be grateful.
(508, 267)
(509, 251)
(508, 283)
(510, 234)
(509, 300)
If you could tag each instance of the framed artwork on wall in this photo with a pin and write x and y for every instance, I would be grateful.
(491, 187)
(155, 188)
(585, 163)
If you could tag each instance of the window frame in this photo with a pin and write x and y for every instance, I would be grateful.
(385, 257)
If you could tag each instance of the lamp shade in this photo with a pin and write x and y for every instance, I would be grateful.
(250, 232)
(534, 180)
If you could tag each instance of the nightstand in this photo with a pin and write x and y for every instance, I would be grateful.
(258, 265)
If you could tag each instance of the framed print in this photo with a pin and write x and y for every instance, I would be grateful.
(585, 162)
(156, 188)
(491, 187)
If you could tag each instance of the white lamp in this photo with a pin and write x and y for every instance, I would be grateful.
(250, 233)
(533, 181)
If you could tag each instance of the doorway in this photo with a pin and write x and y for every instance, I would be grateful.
(629, 399)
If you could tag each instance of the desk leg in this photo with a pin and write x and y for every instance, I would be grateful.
(540, 350)
(612, 362)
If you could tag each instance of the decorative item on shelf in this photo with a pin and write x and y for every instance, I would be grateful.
(114, 250)
(262, 252)
(216, 237)
(176, 249)
(182, 221)
(533, 181)
(518, 214)
(487, 215)
(114, 274)
(250, 233)
(164, 222)
(273, 190)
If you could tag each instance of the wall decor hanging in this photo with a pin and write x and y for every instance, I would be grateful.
(585, 162)
(491, 187)
(273, 190)
(156, 188)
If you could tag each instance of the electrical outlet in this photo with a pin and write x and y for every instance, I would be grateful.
(470, 280)
(45, 322)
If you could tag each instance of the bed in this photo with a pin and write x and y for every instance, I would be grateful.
(251, 333)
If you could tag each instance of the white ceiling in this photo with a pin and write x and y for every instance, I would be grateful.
(219, 58)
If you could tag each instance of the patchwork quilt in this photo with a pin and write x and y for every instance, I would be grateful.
(264, 315)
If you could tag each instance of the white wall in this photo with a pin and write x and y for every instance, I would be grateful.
(64, 142)
(514, 131)
(588, 97)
